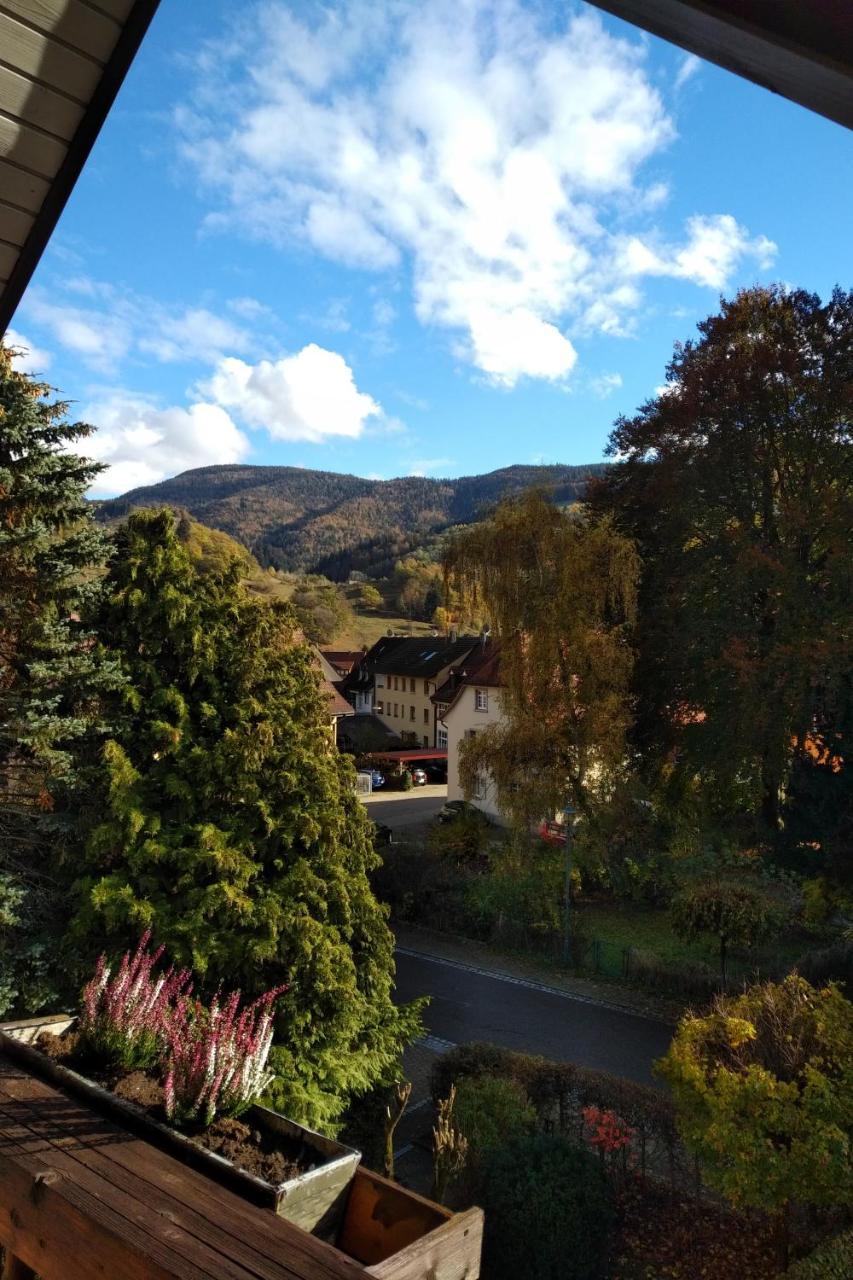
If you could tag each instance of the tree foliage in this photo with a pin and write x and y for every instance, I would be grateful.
(737, 485)
(220, 816)
(735, 909)
(50, 678)
(559, 591)
(321, 608)
(763, 1086)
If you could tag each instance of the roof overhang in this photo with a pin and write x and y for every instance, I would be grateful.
(801, 49)
(63, 62)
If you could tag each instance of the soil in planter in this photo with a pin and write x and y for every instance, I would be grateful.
(272, 1157)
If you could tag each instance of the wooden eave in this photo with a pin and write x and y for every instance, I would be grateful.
(62, 62)
(801, 49)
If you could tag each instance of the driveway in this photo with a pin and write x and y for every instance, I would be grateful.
(470, 1003)
(402, 809)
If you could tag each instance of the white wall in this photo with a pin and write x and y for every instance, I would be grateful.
(461, 719)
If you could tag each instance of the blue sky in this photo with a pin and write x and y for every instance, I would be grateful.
(394, 238)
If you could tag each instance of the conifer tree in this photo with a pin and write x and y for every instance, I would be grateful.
(50, 677)
(221, 816)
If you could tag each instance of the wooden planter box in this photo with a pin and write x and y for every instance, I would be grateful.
(314, 1200)
(393, 1232)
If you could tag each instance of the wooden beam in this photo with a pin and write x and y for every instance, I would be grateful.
(801, 49)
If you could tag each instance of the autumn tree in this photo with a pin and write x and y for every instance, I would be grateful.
(51, 681)
(370, 597)
(220, 816)
(735, 909)
(763, 1087)
(559, 591)
(736, 482)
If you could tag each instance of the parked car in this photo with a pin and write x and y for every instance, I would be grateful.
(377, 779)
(462, 809)
(552, 832)
(419, 777)
(436, 770)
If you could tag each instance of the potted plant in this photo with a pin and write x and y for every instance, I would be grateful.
(187, 1076)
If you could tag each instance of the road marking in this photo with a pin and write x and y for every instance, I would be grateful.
(435, 1043)
(529, 983)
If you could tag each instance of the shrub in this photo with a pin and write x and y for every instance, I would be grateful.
(125, 1018)
(217, 1058)
(463, 840)
(559, 1090)
(548, 1210)
(831, 964)
(832, 1261)
(694, 981)
(490, 1110)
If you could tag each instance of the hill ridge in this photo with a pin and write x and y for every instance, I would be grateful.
(333, 522)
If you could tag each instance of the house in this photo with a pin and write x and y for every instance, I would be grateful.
(397, 678)
(407, 676)
(466, 703)
(358, 686)
(343, 660)
(337, 705)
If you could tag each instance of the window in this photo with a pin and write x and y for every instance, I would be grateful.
(426, 688)
(378, 708)
(412, 685)
(479, 787)
(426, 715)
(470, 733)
(441, 739)
(481, 699)
(411, 713)
(380, 682)
(394, 678)
(395, 708)
(426, 741)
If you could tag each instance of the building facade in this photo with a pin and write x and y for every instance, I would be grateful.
(467, 703)
(406, 678)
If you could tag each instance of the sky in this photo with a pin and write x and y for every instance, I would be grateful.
(412, 238)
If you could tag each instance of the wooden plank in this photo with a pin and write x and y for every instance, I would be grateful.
(275, 1248)
(14, 1269)
(20, 188)
(117, 9)
(33, 104)
(382, 1218)
(30, 149)
(61, 1231)
(8, 258)
(71, 21)
(37, 55)
(451, 1252)
(134, 1218)
(14, 225)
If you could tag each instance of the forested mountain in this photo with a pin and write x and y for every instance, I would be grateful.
(323, 522)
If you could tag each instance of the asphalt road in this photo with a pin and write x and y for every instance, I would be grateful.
(467, 1005)
(401, 809)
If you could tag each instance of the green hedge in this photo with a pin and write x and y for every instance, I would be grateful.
(549, 1211)
(556, 1088)
(832, 1261)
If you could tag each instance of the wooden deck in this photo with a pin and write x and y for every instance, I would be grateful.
(82, 1198)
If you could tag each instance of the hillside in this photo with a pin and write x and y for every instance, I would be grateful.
(322, 522)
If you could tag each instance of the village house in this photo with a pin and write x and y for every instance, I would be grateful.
(399, 676)
(466, 703)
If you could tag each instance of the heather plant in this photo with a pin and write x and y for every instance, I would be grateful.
(126, 1016)
(217, 1058)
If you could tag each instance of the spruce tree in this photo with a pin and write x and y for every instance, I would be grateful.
(221, 816)
(51, 678)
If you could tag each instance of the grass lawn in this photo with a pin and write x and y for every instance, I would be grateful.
(627, 924)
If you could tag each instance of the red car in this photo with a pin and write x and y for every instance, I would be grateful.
(552, 832)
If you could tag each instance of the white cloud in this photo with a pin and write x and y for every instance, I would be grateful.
(28, 358)
(687, 69)
(499, 154)
(604, 384)
(307, 396)
(142, 444)
(117, 323)
(715, 244)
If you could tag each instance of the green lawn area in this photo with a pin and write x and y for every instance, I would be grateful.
(648, 929)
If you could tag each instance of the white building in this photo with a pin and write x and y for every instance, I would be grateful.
(469, 701)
